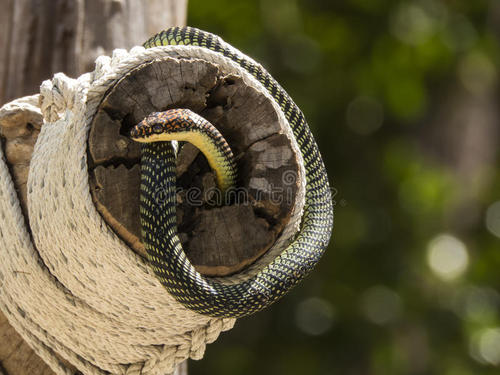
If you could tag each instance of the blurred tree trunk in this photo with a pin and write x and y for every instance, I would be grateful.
(41, 37)
(464, 133)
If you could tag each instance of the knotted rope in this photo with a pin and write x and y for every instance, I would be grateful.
(55, 284)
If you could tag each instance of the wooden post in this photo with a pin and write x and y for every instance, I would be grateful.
(38, 39)
(219, 240)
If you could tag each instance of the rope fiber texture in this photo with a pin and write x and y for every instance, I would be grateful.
(68, 284)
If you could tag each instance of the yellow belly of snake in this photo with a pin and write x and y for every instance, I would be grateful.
(158, 216)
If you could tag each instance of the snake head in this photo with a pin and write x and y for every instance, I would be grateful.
(161, 123)
(151, 125)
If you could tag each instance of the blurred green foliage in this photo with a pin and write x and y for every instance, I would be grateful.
(402, 97)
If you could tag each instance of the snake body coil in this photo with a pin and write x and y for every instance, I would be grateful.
(158, 216)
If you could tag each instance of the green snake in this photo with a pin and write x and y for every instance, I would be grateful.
(158, 216)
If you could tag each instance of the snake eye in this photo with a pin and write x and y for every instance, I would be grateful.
(158, 128)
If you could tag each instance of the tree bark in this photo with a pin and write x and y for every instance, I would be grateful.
(40, 38)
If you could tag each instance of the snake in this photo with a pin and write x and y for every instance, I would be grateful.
(204, 295)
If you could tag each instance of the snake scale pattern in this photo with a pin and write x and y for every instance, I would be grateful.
(158, 216)
(184, 125)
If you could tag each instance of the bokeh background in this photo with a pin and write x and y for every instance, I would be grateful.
(402, 97)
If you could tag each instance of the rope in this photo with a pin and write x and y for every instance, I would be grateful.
(55, 287)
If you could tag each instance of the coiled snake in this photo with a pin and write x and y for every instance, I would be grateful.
(158, 216)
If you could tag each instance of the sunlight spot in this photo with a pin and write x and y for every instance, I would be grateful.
(477, 73)
(314, 316)
(493, 218)
(364, 115)
(447, 257)
(489, 345)
(380, 305)
(459, 33)
(485, 346)
(412, 24)
(477, 304)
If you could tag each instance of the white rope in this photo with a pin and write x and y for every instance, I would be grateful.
(75, 288)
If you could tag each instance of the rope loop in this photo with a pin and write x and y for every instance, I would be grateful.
(73, 298)
(82, 295)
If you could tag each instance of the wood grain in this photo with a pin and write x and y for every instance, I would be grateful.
(218, 239)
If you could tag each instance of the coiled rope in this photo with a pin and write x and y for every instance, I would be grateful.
(55, 284)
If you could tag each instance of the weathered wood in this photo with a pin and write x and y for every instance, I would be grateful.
(17, 357)
(38, 39)
(218, 239)
(18, 133)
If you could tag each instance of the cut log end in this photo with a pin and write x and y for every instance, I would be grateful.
(218, 239)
